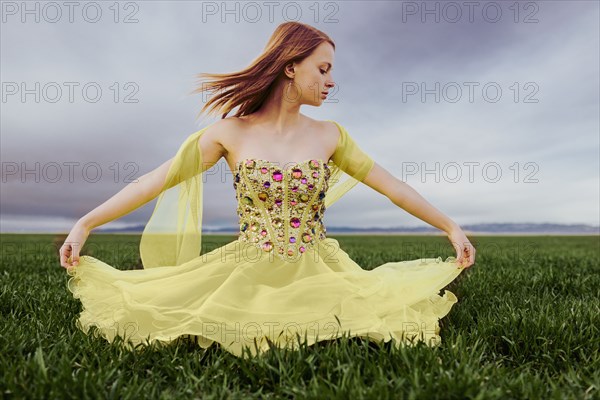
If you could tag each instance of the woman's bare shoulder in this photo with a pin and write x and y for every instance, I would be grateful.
(224, 126)
(223, 130)
(330, 133)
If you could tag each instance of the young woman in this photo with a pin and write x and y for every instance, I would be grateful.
(282, 281)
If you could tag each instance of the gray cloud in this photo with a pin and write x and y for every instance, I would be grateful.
(376, 55)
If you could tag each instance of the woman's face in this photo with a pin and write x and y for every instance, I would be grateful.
(313, 77)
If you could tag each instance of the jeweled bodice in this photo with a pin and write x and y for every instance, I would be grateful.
(281, 208)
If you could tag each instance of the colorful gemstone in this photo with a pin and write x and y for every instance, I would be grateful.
(277, 176)
(296, 173)
(315, 174)
(314, 164)
(247, 201)
(295, 189)
(250, 164)
(263, 196)
(263, 232)
(278, 202)
(292, 239)
(293, 202)
(267, 184)
(310, 186)
(302, 249)
(264, 170)
(304, 180)
(290, 252)
(295, 222)
(244, 226)
(304, 197)
(306, 238)
(267, 246)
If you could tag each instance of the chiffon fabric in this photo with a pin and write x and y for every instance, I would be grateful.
(282, 282)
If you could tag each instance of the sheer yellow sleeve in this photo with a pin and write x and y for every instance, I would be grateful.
(173, 233)
(348, 157)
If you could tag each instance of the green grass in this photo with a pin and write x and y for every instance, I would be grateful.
(526, 326)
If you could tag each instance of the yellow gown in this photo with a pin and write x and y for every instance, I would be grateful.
(282, 282)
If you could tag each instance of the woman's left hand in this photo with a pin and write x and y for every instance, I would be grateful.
(465, 252)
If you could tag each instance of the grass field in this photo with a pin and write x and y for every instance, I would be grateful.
(526, 326)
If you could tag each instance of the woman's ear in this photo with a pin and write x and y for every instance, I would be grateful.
(288, 70)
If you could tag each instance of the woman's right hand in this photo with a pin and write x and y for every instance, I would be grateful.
(69, 251)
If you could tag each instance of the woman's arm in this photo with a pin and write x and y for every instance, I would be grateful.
(405, 197)
(150, 185)
(135, 195)
(130, 198)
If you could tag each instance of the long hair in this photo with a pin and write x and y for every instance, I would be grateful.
(248, 88)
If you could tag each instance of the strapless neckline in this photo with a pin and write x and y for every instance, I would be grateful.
(276, 164)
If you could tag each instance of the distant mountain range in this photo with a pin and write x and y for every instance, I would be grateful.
(506, 228)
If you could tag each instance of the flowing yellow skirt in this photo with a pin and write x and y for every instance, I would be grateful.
(241, 297)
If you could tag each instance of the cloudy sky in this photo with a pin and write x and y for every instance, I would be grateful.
(501, 101)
